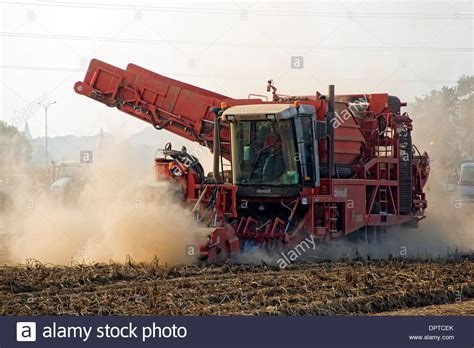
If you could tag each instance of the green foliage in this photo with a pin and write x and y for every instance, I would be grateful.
(15, 150)
(444, 123)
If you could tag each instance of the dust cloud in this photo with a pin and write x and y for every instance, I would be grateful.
(443, 126)
(114, 217)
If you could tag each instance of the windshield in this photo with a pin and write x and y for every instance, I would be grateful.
(263, 152)
(467, 174)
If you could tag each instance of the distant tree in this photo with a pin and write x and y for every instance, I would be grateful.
(444, 123)
(15, 149)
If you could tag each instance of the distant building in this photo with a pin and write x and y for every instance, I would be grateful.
(99, 147)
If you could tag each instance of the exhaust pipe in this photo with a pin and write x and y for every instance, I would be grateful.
(216, 146)
(330, 132)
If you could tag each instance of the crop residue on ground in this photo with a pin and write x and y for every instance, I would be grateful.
(324, 288)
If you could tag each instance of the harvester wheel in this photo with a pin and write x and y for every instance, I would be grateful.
(372, 234)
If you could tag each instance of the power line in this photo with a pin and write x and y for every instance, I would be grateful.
(231, 44)
(219, 75)
(230, 11)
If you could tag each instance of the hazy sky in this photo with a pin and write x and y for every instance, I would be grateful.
(405, 48)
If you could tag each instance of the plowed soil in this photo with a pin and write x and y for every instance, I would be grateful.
(323, 288)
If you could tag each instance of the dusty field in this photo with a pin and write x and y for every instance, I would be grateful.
(325, 288)
(458, 308)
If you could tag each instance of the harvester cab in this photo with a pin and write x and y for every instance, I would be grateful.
(274, 149)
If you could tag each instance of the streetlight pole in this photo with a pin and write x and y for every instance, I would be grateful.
(46, 106)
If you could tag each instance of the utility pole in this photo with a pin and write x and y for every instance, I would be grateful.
(45, 107)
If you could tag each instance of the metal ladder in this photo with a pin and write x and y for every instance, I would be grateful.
(385, 149)
(331, 209)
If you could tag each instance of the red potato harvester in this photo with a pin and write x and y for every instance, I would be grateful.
(320, 166)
